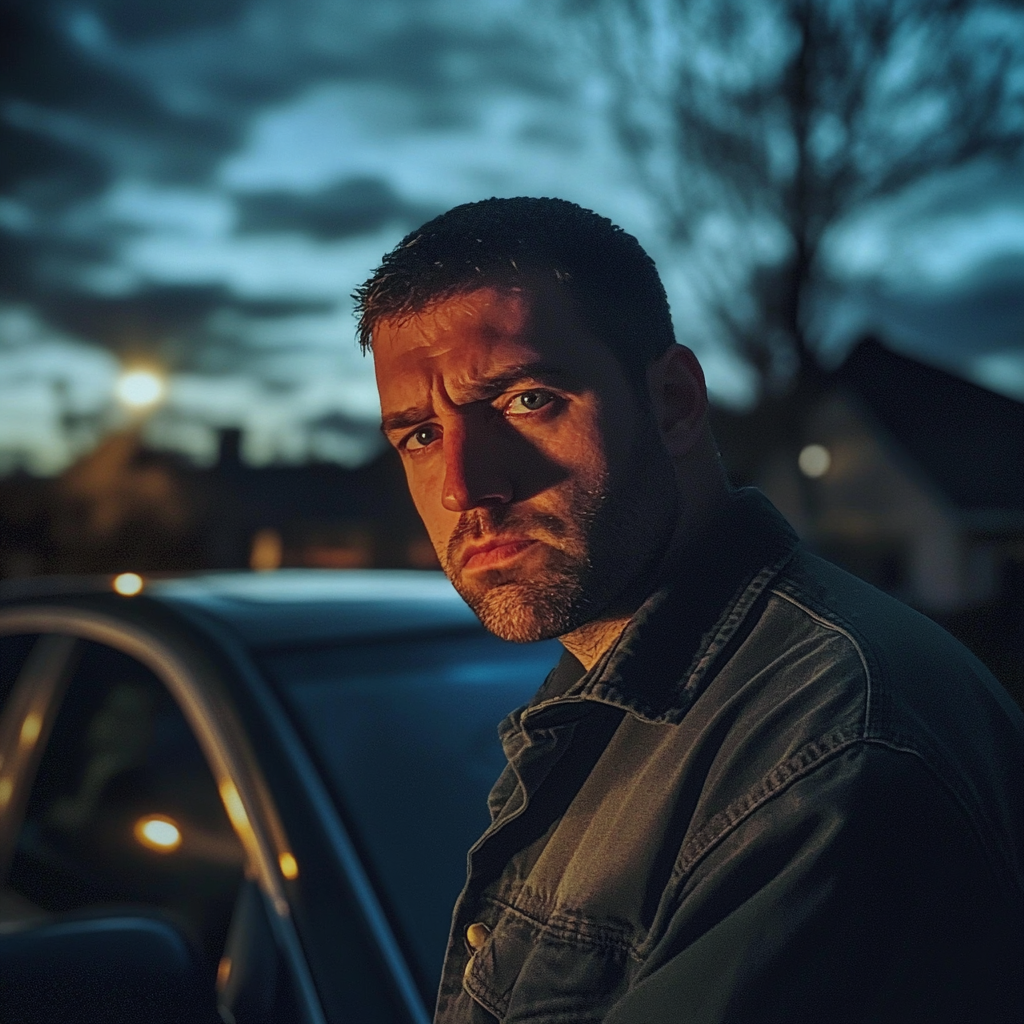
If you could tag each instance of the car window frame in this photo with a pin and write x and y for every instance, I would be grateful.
(194, 688)
(25, 726)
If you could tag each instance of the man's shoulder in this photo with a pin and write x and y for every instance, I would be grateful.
(831, 664)
(907, 670)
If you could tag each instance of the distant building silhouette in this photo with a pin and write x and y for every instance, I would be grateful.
(124, 506)
(913, 479)
(924, 485)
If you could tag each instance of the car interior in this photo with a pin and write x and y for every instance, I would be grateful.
(125, 897)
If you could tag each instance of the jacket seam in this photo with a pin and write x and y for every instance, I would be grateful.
(575, 929)
(736, 613)
(781, 777)
(843, 631)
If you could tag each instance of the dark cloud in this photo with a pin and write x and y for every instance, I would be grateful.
(44, 173)
(90, 119)
(35, 266)
(169, 323)
(39, 70)
(348, 208)
(162, 91)
(70, 125)
(447, 58)
(133, 21)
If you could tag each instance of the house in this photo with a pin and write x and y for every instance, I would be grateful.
(912, 479)
(905, 474)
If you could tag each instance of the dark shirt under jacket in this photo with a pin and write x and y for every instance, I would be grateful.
(781, 796)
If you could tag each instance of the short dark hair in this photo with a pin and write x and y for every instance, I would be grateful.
(508, 242)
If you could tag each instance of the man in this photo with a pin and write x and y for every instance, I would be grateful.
(754, 788)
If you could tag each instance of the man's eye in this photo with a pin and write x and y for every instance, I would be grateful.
(529, 401)
(420, 438)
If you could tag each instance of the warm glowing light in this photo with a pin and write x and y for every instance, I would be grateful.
(223, 972)
(128, 584)
(289, 866)
(814, 461)
(6, 789)
(234, 806)
(266, 551)
(139, 389)
(158, 833)
(30, 728)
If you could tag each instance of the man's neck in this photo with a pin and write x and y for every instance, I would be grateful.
(589, 642)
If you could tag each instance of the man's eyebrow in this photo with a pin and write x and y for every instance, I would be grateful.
(481, 390)
(486, 387)
(404, 419)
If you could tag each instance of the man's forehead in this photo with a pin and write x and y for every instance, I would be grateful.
(473, 344)
(484, 315)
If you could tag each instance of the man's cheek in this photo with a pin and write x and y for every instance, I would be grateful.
(425, 489)
(424, 486)
(579, 449)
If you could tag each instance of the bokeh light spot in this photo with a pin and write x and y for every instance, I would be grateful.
(30, 728)
(156, 832)
(289, 866)
(814, 461)
(139, 389)
(128, 584)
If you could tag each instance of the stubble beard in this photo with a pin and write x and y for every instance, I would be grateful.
(604, 539)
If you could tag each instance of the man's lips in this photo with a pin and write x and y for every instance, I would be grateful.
(490, 553)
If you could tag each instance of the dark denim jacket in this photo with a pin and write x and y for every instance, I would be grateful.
(781, 796)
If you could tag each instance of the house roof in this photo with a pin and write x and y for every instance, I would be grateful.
(968, 441)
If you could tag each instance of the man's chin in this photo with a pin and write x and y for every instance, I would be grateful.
(523, 612)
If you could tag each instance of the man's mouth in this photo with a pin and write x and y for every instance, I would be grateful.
(493, 553)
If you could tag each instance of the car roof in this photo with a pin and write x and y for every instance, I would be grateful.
(291, 606)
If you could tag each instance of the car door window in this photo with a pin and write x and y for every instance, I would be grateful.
(405, 734)
(14, 651)
(123, 808)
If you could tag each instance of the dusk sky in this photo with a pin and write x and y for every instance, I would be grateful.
(198, 186)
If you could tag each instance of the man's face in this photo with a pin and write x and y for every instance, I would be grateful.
(541, 480)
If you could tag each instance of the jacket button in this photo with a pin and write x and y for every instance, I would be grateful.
(476, 935)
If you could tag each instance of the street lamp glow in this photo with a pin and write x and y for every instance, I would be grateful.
(139, 389)
(815, 461)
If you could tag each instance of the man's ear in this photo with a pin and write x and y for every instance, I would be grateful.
(679, 399)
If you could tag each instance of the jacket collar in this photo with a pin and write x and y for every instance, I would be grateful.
(657, 668)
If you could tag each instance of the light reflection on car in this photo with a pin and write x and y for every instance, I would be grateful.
(249, 797)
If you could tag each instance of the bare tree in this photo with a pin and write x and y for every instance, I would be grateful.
(779, 119)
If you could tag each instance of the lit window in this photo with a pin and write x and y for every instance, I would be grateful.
(266, 551)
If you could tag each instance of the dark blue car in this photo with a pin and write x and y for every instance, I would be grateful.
(242, 797)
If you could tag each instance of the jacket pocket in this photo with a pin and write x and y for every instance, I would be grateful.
(528, 970)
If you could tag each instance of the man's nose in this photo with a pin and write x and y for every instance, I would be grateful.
(474, 473)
